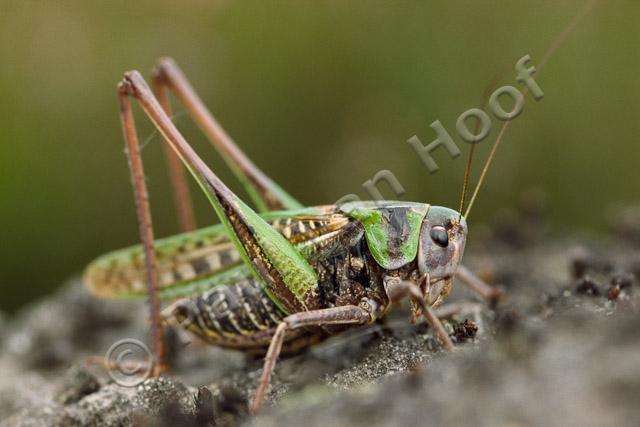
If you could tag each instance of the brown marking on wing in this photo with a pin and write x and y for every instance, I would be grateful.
(195, 257)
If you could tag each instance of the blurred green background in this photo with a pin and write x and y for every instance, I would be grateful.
(321, 94)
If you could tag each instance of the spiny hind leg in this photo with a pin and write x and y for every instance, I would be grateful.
(344, 315)
(265, 193)
(283, 270)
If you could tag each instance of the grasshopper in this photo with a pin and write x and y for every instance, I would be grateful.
(283, 278)
(280, 279)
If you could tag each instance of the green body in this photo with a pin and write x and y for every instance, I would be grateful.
(204, 265)
(234, 283)
(120, 274)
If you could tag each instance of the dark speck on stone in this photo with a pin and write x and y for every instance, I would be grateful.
(586, 286)
(465, 331)
(579, 263)
(623, 281)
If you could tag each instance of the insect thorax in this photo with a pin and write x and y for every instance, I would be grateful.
(241, 314)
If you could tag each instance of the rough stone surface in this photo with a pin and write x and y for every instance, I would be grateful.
(560, 349)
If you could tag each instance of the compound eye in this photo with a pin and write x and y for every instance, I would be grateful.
(439, 236)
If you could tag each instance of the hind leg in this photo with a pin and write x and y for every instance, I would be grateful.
(263, 191)
(344, 315)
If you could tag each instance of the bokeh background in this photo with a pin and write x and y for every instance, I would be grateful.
(321, 94)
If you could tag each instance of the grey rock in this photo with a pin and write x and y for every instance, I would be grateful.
(547, 355)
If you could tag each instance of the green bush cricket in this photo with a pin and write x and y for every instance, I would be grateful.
(287, 276)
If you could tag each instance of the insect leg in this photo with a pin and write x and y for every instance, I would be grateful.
(265, 193)
(447, 310)
(399, 289)
(286, 276)
(477, 285)
(145, 226)
(181, 193)
(343, 315)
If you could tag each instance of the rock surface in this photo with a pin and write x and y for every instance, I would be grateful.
(560, 349)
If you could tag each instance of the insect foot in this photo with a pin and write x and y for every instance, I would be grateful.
(398, 289)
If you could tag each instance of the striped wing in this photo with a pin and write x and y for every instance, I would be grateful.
(201, 259)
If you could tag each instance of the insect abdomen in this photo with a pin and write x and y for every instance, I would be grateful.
(239, 315)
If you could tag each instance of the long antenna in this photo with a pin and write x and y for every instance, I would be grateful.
(467, 170)
(548, 54)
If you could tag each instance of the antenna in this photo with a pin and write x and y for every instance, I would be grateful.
(467, 170)
(548, 54)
